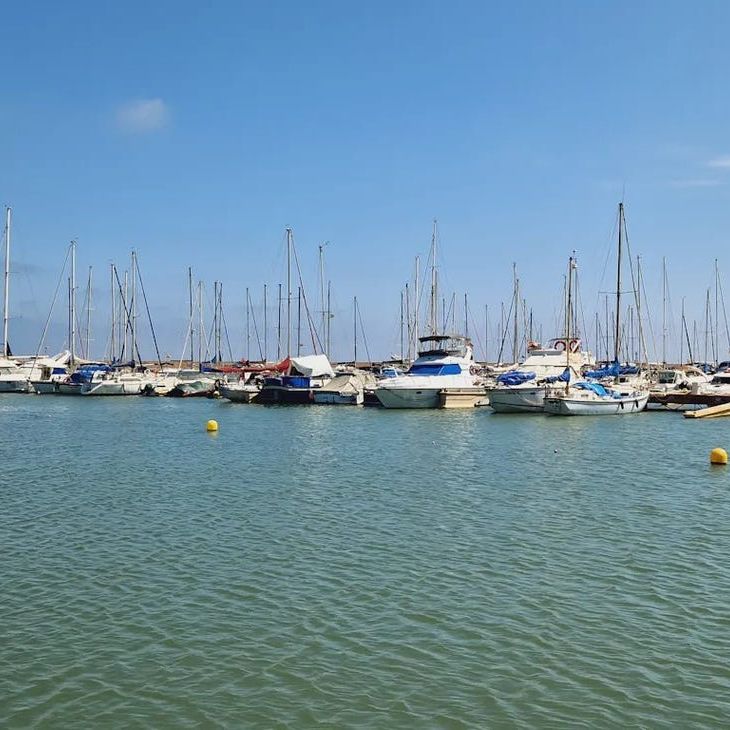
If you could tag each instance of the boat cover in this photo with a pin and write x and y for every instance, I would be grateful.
(597, 388)
(564, 377)
(515, 377)
(312, 366)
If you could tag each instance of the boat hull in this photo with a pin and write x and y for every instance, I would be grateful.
(14, 386)
(517, 400)
(274, 395)
(239, 395)
(44, 387)
(331, 398)
(408, 397)
(112, 388)
(590, 407)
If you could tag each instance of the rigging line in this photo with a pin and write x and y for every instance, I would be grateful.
(648, 319)
(476, 329)
(149, 315)
(506, 327)
(635, 286)
(126, 312)
(53, 302)
(364, 338)
(255, 327)
(225, 330)
(312, 329)
(724, 314)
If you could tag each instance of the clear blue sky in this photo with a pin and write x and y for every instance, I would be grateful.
(196, 132)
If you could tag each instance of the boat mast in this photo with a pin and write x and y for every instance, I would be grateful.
(401, 325)
(73, 302)
(466, 315)
(568, 322)
(717, 316)
(125, 316)
(278, 329)
(248, 327)
(6, 312)
(617, 335)
(288, 292)
(134, 306)
(265, 327)
(415, 310)
(408, 319)
(190, 297)
(354, 322)
(219, 351)
(516, 308)
(321, 291)
(664, 310)
(200, 326)
(88, 315)
(434, 282)
(486, 333)
(113, 340)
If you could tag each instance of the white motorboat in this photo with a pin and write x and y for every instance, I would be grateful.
(13, 379)
(118, 383)
(523, 389)
(444, 361)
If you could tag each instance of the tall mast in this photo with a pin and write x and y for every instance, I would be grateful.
(401, 325)
(219, 352)
(408, 319)
(215, 321)
(190, 297)
(133, 275)
(6, 312)
(434, 282)
(568, 318)
(73, 302)
(415, 310)
(707, 322)
(248, 328)
(516, 282)
(288, 292)
(466, 314)
(664, 310)
(88, 315)
(321, 291)
(717, 316)
(486, 333)
(354, 322)
(617, 336)
(113, 340)
(266, 354)
(201, 331)
(278, 329)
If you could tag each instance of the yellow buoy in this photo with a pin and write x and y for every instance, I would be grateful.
(212, 426)
(718, 456)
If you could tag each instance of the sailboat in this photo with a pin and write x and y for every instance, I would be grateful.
(445, 362)
(589, 398)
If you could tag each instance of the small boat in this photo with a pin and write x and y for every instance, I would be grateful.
(346, 388)
(593, 399)
(13, 379)
(240, 392)
(303, 375)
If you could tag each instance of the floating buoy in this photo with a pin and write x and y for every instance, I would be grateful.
(212, 426)
(718, 456)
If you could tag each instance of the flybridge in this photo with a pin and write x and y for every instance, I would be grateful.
(455, 345)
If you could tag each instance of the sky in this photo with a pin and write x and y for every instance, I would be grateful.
(196, 133)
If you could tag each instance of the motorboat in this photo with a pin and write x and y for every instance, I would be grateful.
(586, 398)
(346, 388)
(303, 375)
(444, 361)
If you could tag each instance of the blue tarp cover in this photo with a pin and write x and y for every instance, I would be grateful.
(598, 389)
(564, 377)
(515, 377)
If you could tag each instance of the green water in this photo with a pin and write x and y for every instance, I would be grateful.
(343, 567)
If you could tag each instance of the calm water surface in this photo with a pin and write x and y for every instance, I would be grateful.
(342, 567)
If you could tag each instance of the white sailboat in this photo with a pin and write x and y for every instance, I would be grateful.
(586, 398)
